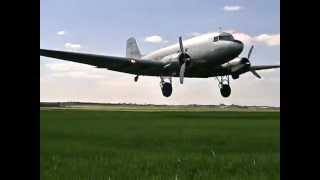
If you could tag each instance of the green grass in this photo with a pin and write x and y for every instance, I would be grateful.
(78, 144)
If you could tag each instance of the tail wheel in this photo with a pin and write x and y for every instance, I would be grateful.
(225, 90)
(166, 89)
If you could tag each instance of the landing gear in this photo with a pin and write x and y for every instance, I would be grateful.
(136, 78)
(166, 87)
(225, 90)
(224, 86)
(235, 76)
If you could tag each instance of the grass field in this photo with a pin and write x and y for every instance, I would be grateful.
(77, 144)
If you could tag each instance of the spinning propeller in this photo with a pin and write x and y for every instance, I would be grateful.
(248, 62)
(183, 59)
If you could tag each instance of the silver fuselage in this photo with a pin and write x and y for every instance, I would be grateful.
(206, 55)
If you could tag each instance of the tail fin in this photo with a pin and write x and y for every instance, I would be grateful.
(132, 48)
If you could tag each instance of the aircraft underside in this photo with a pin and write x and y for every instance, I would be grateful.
(166, 85)
(222, 75)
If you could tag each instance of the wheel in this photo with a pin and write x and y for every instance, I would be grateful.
(225, 90)
(235, 76)
(166, 89)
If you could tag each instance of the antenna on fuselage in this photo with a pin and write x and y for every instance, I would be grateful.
(219, 32)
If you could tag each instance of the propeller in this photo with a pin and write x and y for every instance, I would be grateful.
(252, 71)
(250, 51)
(183, 60)
(255, 74)
(181, 45)
(182, 70)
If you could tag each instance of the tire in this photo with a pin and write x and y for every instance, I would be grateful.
(235, 76)
(225, 90)
(166, 89)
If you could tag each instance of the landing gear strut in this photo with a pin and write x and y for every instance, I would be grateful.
(166, 87)
(224, 86)
(136, 78)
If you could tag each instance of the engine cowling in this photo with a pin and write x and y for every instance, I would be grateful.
(171, 58)
(238, 65)
(174, 61)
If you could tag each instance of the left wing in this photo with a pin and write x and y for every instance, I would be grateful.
(121, 64)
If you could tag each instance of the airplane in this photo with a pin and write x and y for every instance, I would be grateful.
(204, 56)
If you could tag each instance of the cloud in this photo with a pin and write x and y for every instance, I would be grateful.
(267, 39)
(245, 38)
(77, 74)
(155, 39)
(118, 87)
(66, 66)
(74, 70)
(270, 40)
(82, 82)
(232, 8)
(71, 46)
(61, 33)
(194, 34)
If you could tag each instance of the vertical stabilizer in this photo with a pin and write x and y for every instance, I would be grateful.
(132, 50)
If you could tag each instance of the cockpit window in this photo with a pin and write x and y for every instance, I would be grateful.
(225, 37)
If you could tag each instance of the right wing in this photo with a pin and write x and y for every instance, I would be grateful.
(262, 67)
(121, 64)
(253, 69)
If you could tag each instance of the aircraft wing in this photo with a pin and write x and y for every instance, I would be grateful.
(262, 67)
(121, 64)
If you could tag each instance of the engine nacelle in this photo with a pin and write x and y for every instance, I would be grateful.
(171, 58)
(237, 65)
(174, 61)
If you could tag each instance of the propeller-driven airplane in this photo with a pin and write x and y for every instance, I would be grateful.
(204, 56)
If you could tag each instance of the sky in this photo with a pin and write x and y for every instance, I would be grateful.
(102, 27)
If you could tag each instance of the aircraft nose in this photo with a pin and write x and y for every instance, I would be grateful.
(238, 46)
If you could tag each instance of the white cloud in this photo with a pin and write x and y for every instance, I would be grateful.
(61, 33)
(77, 74)
(232, 8)
(155, 39)
(67, 66)
(71, 46)
(194, 34)
(270, 40)
(74, 70)
(230, 31)
(245, 38)
(118, 87)
(269, 70)
(267, 39)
